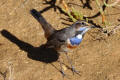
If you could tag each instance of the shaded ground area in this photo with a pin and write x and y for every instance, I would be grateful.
(22, 53)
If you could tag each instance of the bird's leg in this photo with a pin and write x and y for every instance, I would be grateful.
(73, 68)
(62, 71)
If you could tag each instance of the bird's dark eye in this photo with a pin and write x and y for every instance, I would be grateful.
(83, 23)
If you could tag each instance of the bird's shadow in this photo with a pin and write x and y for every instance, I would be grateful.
(43, 54)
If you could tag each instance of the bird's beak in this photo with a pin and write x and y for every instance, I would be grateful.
(90, 26)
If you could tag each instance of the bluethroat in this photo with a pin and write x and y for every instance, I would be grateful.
(65, 39)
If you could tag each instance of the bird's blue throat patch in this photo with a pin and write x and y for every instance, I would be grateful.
(82, 28)
(75, 41)
(78, 38)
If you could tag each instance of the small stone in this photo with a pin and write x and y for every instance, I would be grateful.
(64, 67)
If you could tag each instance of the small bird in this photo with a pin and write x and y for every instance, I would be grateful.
(65, 39)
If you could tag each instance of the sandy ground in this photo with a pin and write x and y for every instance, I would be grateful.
(97, 58)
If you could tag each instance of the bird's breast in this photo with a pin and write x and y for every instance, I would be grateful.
(75, 41)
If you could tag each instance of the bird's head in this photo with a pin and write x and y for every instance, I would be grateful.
(82, 27)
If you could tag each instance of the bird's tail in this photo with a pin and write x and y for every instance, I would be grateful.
(45, 25)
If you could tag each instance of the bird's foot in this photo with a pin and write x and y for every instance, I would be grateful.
(75, 71)
(63, 74)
